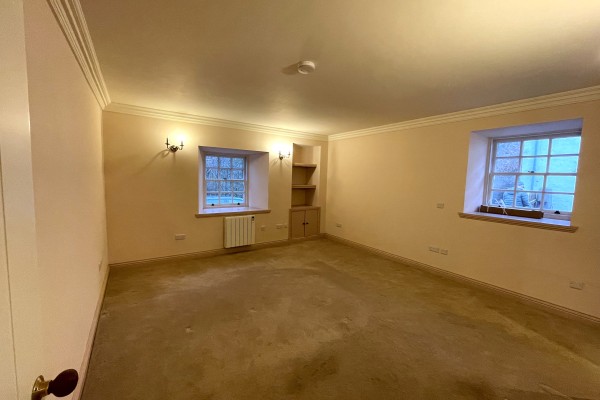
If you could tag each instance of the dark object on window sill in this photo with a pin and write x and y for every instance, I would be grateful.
(513, 212)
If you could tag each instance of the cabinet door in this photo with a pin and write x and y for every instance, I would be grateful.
(297, 224)
(311, 223)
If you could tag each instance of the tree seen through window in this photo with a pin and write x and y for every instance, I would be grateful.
(225, 181)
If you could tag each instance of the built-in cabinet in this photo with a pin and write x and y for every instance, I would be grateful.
(305, 210)
(304, 221)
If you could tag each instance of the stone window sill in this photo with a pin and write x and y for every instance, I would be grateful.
(544, 223)
(231, 211)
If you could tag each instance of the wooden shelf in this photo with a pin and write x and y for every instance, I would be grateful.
(305, 207)
(304, 165)
(304, 186)
(305, 177)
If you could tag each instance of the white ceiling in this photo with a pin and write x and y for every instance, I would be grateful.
(378, 62)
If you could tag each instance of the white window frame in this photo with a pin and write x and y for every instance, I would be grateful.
(205, 186)
(493, 143)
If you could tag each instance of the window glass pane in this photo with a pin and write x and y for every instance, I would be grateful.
(212, 198)
(508, 199)
(212, 186)
(531, 182)
(567, 145)
(534, 200)
(534, 164)
(565, 164)
(238, 162)
(496, 198)
(522, 200)
(212, 161)
(560, 202)
(508, 149)
(225, 174)
(238, 197)
(226, 198)
(560, 184)
(212, 173)
(504, 181)
(237, 174)
(239, 186)
(225, 186)
(225, 162)
(537, 147)
(507, 165)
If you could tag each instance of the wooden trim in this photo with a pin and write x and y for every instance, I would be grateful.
(220, 212)
(544, 223)
(87, 355)
(532, 301)
(197, 119)
(304, 186)
(300, 208)
(535, 103)
(304, 165)
(206, 253)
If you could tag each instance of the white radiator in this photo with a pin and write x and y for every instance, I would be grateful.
(239, 231)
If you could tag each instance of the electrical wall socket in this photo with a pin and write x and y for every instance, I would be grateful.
(338, 225)
(263, 228)
(434, 249)
(180, 236)
(576, 285)
(440, 205)
(278, 226)
(444, 251)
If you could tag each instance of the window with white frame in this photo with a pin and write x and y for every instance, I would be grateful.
(225, 180)
(534, 172)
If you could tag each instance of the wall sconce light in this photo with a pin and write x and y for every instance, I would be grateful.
(172, 147)
(282, 155)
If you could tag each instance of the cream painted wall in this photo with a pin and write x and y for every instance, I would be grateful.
(412, 170)
(152, 194)
(68, 191)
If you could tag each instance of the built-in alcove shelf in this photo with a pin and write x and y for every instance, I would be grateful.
(304, 186)
(305, 207)
(304, 165)
(305, 175)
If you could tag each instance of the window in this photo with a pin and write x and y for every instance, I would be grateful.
(225, 180)
(534, 172)
(232, 181)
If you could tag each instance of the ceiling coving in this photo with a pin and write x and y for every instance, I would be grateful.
(379, 62)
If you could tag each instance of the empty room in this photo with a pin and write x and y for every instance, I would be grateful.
(295, 200)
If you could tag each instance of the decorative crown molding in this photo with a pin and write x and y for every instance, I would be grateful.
(70, 17)
(196, 119)
(535, 103)
(72, 22)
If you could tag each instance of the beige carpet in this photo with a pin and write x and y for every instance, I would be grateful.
(320, 320)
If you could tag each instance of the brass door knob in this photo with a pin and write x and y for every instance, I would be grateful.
(61, 386)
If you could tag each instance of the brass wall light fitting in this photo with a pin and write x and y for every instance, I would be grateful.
(173, 148)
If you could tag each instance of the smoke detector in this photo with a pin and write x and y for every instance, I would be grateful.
(306, 67)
